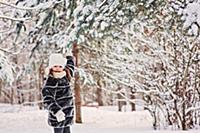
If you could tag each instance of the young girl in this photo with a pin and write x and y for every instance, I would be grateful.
(57, 95)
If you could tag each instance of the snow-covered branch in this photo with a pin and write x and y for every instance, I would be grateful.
(14, 19)
(37, 7)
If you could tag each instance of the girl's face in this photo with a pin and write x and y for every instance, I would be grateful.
(57, 68)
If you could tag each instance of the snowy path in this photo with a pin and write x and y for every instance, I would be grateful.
(95, 121)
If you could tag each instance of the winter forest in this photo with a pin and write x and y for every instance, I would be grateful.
(133, 59)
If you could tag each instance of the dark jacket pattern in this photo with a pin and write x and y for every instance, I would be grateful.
(57, 95)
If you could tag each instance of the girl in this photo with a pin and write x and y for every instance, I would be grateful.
(57, 95)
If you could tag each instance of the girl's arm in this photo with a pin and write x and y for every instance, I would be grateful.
(70, 67)
(49, 101)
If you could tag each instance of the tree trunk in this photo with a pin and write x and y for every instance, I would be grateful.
(16, 82)
(12, 96)
(132, 99)
(40, 83)
(121, 99)
(99, 93)
(77, 89)
(0, 87)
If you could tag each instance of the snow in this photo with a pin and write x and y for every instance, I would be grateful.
(95, 120)
(126, 61)
(6, 70)
(190, 15)
(104, 25)
(195, 29)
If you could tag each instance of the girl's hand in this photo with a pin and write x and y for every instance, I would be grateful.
(60, 116)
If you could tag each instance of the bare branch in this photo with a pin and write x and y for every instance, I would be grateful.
(14, 6)
(14, 19)
(41, 5)
(6, 51)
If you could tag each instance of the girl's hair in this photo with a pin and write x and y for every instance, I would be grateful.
(51, 71)
(68, 74)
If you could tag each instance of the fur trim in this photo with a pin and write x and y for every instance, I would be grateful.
(59, 74)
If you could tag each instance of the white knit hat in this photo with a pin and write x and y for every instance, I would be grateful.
(57, 60)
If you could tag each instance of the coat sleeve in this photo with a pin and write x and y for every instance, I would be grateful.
(49, 102)
(70, 66)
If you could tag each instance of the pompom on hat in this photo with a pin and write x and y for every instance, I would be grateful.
(57, 59)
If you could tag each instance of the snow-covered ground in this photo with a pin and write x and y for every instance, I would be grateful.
(16, 119)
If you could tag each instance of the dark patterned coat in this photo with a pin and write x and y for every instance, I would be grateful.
(57, 95)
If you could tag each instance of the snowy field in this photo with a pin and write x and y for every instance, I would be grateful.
(95, 120)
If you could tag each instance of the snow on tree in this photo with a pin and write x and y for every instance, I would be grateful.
(159, 62)
(169, 78)
(6, 70)
(189, 11)
(63, 22)
(136, 45)
(59, 24)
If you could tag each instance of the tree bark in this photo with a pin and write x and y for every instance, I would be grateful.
(120, 102)
(133, 108)
(99, 93)
(0, 87)
(40, 83)
(77, 89)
